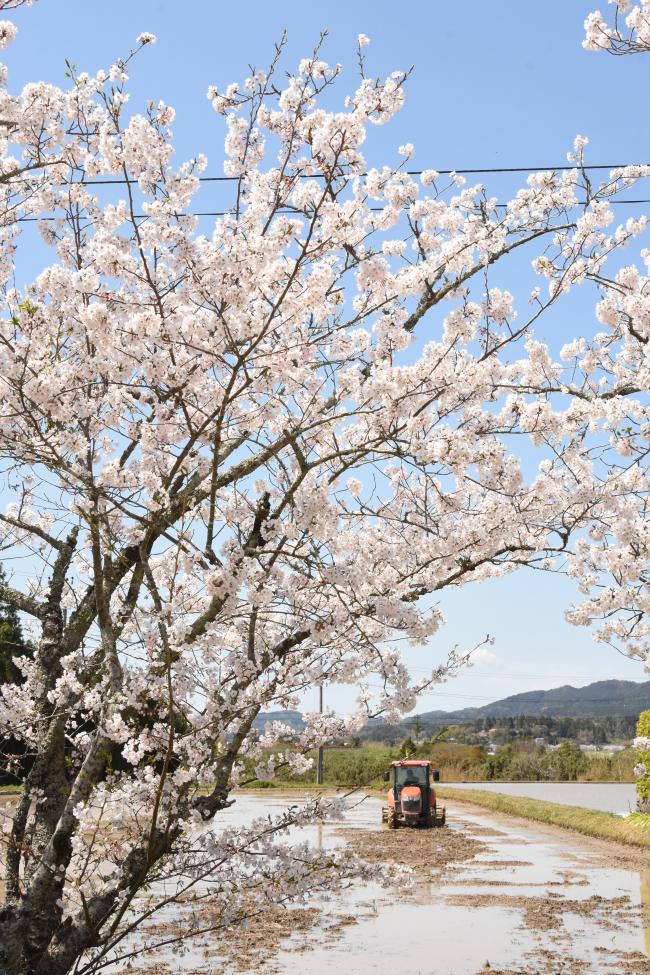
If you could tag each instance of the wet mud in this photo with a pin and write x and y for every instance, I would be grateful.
(421, 850)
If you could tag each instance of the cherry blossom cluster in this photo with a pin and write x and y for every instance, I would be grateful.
(629, 34)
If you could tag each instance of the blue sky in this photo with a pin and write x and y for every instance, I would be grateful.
(499, 84)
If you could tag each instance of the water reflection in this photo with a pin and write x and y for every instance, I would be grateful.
(618, 797)
(645, 903)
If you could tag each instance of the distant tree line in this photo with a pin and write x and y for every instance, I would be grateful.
(583, 729)
(587, 730)
(524, 762)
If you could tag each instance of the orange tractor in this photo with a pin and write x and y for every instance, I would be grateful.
(412, 797)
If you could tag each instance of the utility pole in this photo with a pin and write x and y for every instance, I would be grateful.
(418, 727)
(319, 767)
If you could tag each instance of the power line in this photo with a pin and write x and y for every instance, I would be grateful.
(497, 675)
(411, 172)
(491, 700)
(226, 213)
(484, 170)
(523, 169)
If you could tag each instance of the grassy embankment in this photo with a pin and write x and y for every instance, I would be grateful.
(633, 830)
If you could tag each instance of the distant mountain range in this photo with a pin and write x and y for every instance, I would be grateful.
(604, 698)
(292, 718)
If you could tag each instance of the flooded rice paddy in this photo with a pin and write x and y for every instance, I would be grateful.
(490, 894)
(608, 797)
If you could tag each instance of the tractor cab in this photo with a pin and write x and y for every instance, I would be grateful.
(412, 796)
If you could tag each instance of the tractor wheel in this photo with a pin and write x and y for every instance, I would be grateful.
(392, 819)
(441, 818)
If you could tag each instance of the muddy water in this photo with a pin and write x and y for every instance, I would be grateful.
(520, 898)
(533, 900)
(523, 898)
(608, 797)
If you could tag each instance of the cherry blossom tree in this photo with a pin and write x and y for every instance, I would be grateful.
(241, 460)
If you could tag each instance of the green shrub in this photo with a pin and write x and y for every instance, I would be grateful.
(643, 761)
(566, 763)
(407, 748)
(643, 725)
